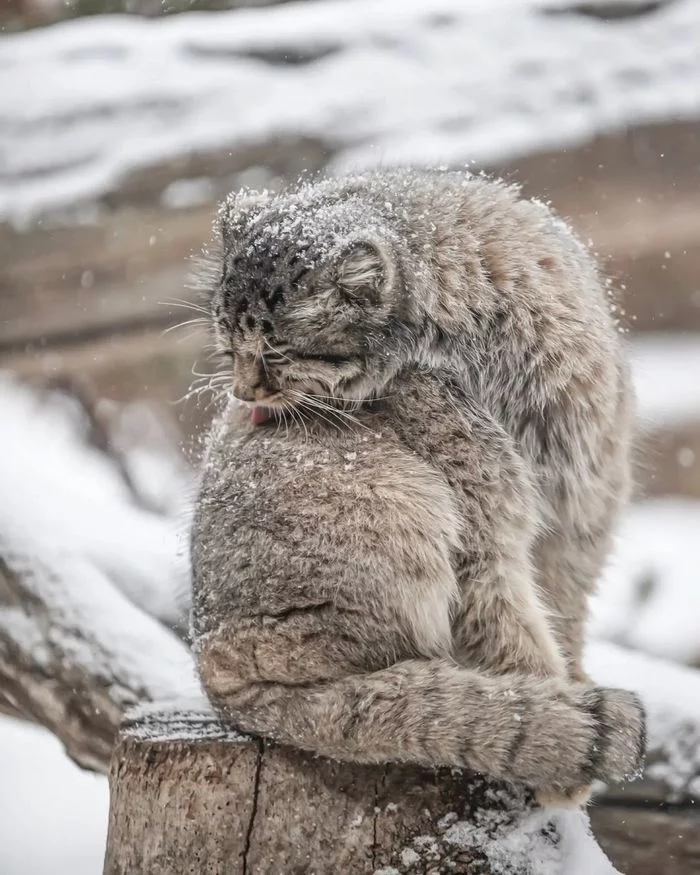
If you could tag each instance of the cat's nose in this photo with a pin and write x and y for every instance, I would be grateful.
(257, 394)
(250, 382)
(243, 393)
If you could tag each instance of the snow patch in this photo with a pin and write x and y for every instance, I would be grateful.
(649, 597)
(671, 697)
(53, 815)
(537, 841)
(666, 372)
(62, 496)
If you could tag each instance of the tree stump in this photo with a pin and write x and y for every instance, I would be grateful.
(191, 795)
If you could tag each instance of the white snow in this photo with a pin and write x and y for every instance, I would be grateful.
(667, 378)
(88, 556)
(649, 597)
(580, 851)
(671, 696)
(61, 496)
(664, 686)
(514, 841)
(53, 815)
(187, 718)
(86, 102)
(94, 625)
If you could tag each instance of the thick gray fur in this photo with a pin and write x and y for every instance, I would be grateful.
(397, 565)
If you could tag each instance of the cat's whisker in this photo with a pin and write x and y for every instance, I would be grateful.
(356, 400)
(187, 305)
(318, 408)
(199, 374)
(316, 402)
(297, 416)
(199, 320)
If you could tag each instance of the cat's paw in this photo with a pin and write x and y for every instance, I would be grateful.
(619, 722)
(575, 798)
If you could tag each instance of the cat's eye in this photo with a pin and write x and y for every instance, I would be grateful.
(274, 357)
(328, 358)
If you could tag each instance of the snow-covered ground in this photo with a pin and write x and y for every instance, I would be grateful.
(85, 102)
(53, 815)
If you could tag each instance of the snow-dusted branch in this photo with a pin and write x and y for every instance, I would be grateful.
(87, 577)
(75, 652)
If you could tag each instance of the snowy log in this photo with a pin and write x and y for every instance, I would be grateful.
(188, 792)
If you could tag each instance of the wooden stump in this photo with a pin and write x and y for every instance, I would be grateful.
(190, 795)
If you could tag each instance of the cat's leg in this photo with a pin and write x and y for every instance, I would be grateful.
(268, 680)
(501, 623)
(569, 562)
(580, 449)
(583, 502)
(504, 624)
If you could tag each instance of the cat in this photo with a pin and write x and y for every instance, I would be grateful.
(407, 503)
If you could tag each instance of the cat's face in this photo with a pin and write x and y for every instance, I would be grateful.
(303, 324)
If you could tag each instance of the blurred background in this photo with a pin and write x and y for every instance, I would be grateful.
(123, 122)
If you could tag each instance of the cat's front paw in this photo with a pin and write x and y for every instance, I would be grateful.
(619, 722)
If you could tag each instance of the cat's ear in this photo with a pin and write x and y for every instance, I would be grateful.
(363, 272)
(238, 208)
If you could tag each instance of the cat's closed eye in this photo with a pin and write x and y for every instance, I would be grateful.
(329, 358)
(274, 357)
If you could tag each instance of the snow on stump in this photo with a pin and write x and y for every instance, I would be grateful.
(190, 795)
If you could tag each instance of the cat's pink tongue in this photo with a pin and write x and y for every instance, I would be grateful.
(258, 415)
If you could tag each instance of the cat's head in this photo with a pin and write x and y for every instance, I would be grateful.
(310, 300)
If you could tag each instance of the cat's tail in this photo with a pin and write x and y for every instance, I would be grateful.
(538, 731)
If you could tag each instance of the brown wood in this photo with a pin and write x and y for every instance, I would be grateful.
(189, 795)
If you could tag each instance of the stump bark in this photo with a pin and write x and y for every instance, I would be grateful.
(190, 795)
